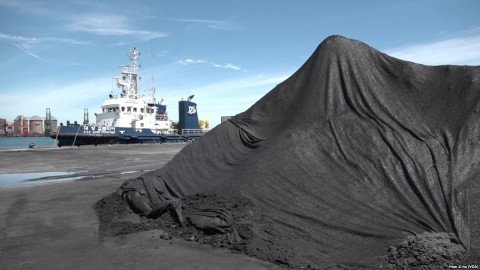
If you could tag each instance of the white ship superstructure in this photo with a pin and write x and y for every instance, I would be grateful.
(129, 109)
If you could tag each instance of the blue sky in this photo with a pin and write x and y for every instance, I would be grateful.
(62, 54)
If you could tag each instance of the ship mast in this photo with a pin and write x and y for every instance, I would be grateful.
(129, 80)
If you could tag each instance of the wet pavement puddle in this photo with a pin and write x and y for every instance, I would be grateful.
(18, 179)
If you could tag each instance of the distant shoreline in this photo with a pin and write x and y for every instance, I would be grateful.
(24, 142)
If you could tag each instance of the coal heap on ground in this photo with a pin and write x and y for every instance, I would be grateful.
(349, 156)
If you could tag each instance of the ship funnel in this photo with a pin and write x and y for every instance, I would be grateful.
(187, 114)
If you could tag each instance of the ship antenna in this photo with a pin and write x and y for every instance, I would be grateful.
(111, 87)
(153, 72)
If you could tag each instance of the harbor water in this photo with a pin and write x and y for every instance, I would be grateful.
(24, 142)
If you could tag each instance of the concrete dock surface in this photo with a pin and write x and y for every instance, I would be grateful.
(54, 226)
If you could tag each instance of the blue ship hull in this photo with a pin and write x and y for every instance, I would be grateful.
(85, 135)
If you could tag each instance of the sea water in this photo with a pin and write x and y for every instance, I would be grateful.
(24, 142)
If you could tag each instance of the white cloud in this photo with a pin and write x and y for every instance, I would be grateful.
(27, 51)
(162, 53)
(212, 24)
(98, 24)
(229, 66)
(456, 51)
(28, 7)
(120, 43)
(109, 25)
(26, 44)
(16, 39)
(190, 61)
(23, 43)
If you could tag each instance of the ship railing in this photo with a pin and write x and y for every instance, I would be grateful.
(191, 131)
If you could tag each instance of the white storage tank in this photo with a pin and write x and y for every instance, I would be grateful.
(36, 126)
(3, 125)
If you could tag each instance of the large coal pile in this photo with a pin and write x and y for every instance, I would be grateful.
(352, 154)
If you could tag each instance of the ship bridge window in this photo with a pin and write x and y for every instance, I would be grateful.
(123, 109)
(142, 110)
(129, 109)
(134, 109)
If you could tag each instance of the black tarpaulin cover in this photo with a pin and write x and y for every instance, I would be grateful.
(354, 152)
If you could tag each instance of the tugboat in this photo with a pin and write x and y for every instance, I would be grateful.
(131, 118)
